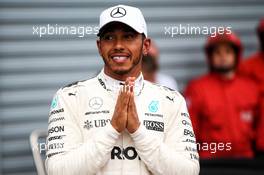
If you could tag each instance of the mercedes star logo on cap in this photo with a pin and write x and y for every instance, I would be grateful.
(118, 12)
(96, 102)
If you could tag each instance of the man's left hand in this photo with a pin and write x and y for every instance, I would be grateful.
(132, 116)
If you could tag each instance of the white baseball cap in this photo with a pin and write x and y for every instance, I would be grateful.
(128, 15)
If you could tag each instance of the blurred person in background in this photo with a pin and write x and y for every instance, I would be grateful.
(253, 67)
(222, 104)
(150, 69)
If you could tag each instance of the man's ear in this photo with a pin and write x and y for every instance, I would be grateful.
(99, 46)
(146, 46)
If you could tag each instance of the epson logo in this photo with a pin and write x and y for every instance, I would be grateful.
(56, 129)
(129, 153)
(154, 125)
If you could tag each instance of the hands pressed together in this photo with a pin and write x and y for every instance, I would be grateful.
(125, 114)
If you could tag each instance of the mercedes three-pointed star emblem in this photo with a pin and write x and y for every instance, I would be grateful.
(118, 12)
(96, 102)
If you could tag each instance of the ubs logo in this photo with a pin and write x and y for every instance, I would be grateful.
(96, 123)
(118, 12)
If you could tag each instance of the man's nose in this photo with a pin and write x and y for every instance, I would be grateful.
(118, 45)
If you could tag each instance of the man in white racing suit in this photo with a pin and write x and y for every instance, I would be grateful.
(117, 123)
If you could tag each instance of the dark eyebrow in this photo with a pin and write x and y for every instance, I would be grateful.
(107, 31)
(129, 29)
(133, 32)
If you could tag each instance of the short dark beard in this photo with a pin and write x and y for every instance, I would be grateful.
(123, 72)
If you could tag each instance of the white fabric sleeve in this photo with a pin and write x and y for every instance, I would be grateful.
(67, 153)
(177, 153)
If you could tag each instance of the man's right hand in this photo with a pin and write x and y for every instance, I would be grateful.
(119, 119)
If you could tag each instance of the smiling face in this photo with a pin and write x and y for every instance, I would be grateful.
(122, 49)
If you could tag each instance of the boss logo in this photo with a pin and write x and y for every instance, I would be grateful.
(154, 125)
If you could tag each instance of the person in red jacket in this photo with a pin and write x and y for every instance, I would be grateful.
(253, 67)
(222, 104)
